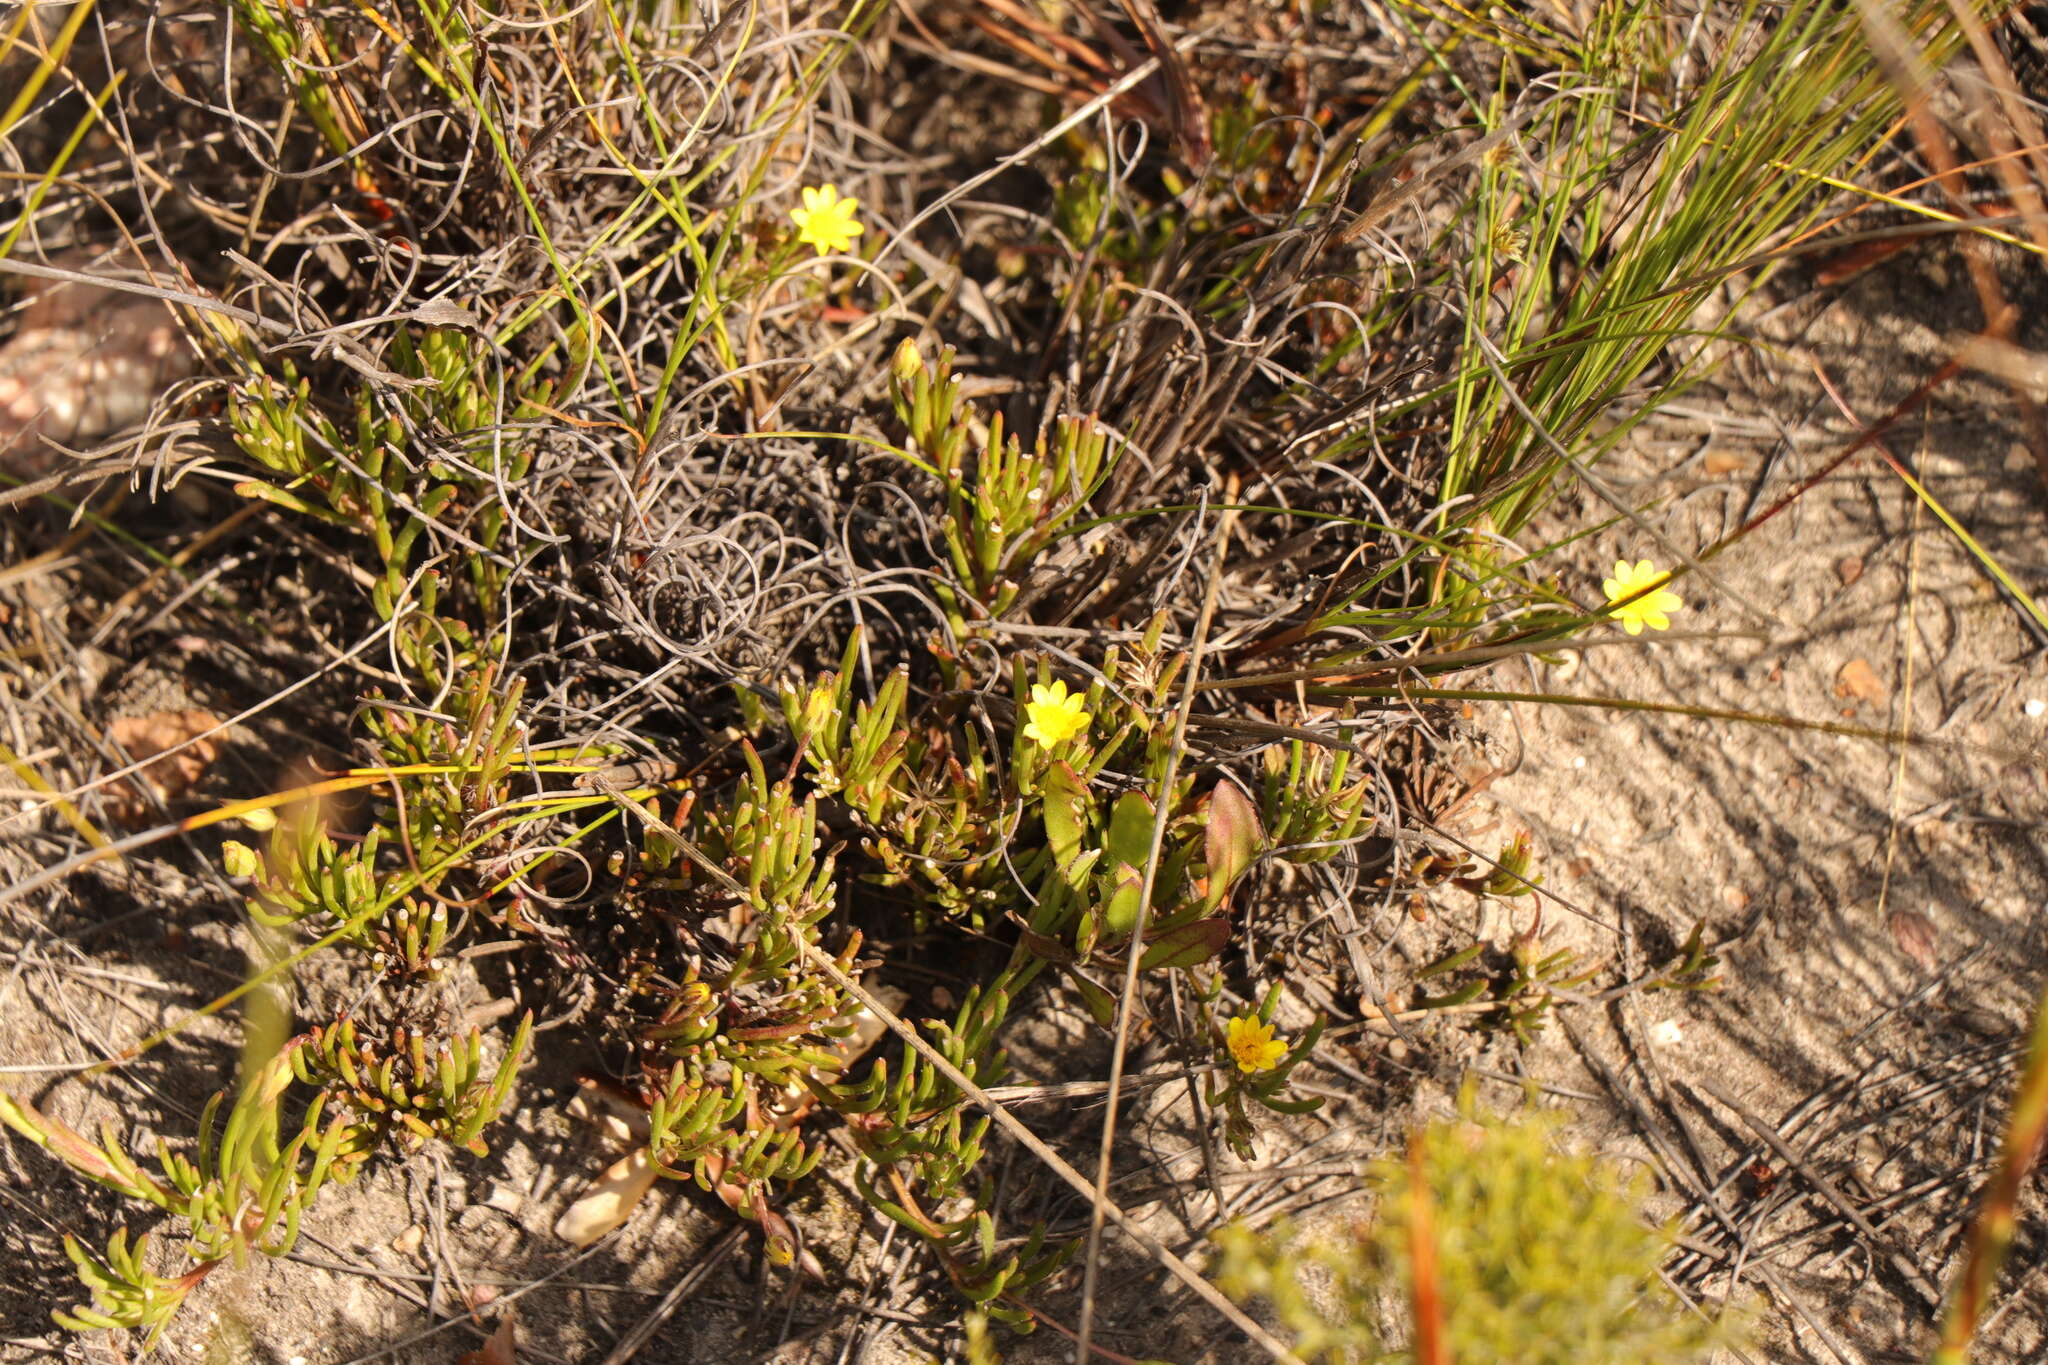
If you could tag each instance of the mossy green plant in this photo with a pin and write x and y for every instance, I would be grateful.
(1492, 1241)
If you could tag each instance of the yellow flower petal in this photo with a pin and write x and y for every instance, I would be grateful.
(1052, 716)
(826, 221)
(1252, 1044)
(1638, 597)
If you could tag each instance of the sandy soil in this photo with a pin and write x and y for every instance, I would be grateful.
(1880, 905)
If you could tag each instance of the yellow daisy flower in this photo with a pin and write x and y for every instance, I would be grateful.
(1052, 716)
(1639, 597)
(826, 221)
(1252, 1044)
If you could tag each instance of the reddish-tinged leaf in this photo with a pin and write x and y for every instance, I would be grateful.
(1187, 945)
(764, 1032)
(1233, 839)
(1051, 949)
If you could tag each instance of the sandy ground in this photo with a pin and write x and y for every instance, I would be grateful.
(1880, 905)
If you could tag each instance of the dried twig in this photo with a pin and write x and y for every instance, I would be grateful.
(1828, 1190)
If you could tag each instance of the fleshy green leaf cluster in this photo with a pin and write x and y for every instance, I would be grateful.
(1005, 504)
(246, 1186)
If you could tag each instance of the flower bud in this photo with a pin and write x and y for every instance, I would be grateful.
(239, 859)
(906, 364)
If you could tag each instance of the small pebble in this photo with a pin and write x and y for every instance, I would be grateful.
(2036, 708)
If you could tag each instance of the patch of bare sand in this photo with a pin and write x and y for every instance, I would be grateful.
(1882, 904)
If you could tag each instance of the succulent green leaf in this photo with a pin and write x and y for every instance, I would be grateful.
(1129, 843)
(1125, 887)
(1100, 1004)
(1066, 814)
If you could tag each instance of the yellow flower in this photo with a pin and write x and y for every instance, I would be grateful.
(1052, 717)
(1252, 1044)
(826, 221)
(1640, 597)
